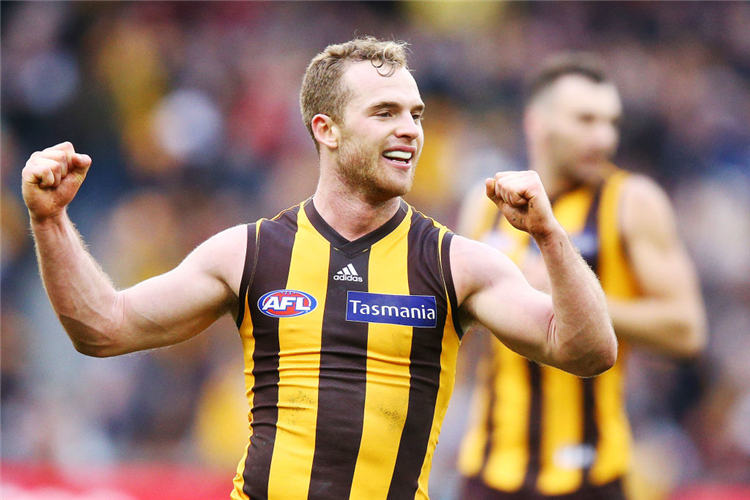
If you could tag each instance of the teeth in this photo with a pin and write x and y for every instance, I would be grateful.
(399, 155)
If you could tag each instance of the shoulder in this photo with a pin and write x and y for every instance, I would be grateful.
(223, 255)
(638, 188)
(231, 240)
(645, 208)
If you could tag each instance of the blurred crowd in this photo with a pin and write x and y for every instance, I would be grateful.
(190, 112)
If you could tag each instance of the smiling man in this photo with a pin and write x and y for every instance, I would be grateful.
(350, 306)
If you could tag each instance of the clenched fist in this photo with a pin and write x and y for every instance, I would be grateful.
(521, 198)
(51, 179)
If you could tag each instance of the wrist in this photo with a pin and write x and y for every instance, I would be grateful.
(50, 222)
(550, 236)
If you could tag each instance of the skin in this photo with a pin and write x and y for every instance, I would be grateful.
(572, 132)
(358, 191)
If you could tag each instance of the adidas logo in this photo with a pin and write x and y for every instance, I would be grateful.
(348, 273)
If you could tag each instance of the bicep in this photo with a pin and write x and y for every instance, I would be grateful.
(493, 292)
(183, 302)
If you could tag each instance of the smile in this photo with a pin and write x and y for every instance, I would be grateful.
(400, 157)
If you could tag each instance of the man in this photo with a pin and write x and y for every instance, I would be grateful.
(538, 432)
(350, 305)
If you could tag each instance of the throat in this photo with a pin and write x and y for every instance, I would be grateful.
(354, 218)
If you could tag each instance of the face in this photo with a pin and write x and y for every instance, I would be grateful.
(579, 126)
(381, 134)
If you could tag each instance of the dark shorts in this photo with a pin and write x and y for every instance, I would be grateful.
(475, 489)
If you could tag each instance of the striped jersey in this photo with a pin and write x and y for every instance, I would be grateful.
(350, 352)
(536, 428)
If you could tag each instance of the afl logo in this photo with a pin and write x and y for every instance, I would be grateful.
(286, 303)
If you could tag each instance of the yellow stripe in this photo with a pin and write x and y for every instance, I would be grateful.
(248, 349)
(448, 357)
(388, 376)
(239, 481)
(509, 453)
(617, 278)
(299, 368)
(562, 426)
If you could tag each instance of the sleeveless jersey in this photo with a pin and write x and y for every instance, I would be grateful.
(350, 352)
(536, 428)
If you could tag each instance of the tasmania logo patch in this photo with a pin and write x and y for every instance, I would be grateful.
(286, 303)
(409, 310)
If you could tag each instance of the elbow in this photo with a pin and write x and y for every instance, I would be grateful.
(596, 363)
(97, 344)
(97, 335)
(693, 340)
(91, 349)
(602, 360)
(594, 360)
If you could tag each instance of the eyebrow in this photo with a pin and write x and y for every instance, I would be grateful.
(393, 104)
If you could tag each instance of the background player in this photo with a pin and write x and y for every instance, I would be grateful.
(538, 432)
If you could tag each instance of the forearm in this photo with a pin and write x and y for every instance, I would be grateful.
(581, 331)
(82, 296)
(668, 327)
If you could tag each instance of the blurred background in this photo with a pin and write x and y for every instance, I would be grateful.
(190, 113)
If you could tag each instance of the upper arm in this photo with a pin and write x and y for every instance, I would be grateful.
(657, 256)
(492, 291)
(183, 302)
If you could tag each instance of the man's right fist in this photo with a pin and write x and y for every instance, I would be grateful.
(51, 178)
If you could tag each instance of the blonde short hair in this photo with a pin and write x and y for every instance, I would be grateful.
(322, 91)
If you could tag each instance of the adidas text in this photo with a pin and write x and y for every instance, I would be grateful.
(341, 277)
(347, 273)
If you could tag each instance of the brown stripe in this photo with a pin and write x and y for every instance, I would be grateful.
(591, 228)
(590, 427)
(274, 253)
(535, 427)
(247, 272)
(445, 256)
(342, 386)
(426, 348)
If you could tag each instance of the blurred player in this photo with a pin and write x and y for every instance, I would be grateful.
(349, 305)
(537, 432)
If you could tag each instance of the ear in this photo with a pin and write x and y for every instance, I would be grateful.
(325, 130)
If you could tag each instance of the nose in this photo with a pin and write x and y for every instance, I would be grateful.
(408, 127)
(606, 136)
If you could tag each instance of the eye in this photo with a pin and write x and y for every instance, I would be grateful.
(384, 114)
(417, 117)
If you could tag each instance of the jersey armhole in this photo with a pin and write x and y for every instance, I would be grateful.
(251, 259)
(445, 268)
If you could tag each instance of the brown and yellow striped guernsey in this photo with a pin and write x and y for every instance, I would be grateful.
(535, 429)
(350, 351)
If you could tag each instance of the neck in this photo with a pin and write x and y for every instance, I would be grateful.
(349, 213)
